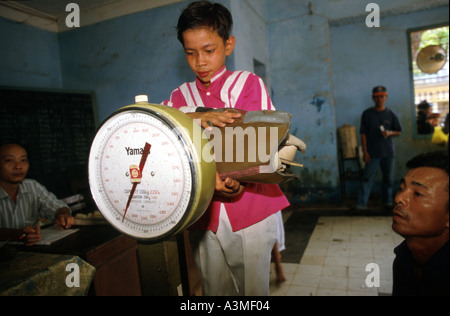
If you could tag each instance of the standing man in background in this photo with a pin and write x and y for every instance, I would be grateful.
(378, 125)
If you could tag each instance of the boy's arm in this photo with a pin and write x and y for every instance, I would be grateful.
(207, 116)
(212, 118)
(228, 188)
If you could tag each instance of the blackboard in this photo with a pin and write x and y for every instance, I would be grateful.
(56, 128)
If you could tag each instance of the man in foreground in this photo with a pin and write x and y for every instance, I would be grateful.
(421, 266)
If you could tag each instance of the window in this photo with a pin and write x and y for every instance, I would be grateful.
(430, 69)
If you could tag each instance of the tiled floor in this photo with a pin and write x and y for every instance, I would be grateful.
(334, 262)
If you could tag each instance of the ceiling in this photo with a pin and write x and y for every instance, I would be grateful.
(51, 14)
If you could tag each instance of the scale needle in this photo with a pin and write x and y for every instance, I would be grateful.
(141, 168)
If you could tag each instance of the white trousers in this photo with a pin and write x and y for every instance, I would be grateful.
(235, 263)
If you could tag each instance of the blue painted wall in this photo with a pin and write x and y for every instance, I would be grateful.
(301, 84)
(321, 62)
(324, 62)
(249, 23)
(29, 57)
(124, 57)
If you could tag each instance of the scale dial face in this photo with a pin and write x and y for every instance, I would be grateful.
(163, 182)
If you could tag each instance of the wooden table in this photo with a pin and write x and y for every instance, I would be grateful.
(113, 255)
(40, 274)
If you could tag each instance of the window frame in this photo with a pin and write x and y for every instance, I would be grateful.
(416, 135)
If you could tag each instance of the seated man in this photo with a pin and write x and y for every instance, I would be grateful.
(426, 119)
(24, 201)
(421, 266)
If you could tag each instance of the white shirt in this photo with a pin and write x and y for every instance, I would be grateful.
(33, 201)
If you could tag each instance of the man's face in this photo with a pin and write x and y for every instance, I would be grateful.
(206, 52)
(422, 204)
(380, 100)
(13, 164)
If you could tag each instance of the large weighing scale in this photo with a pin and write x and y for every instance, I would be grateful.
(145, 174)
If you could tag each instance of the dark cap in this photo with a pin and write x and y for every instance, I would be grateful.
(424, 105)
(379, 90)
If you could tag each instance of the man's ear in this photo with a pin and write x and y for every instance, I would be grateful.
(229, 45)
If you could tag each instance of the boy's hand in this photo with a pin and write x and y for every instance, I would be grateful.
(228, 188)
(212, 118)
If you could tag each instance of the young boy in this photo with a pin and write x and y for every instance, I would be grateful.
(233, 240)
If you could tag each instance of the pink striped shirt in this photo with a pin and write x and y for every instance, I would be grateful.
(240, 90)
